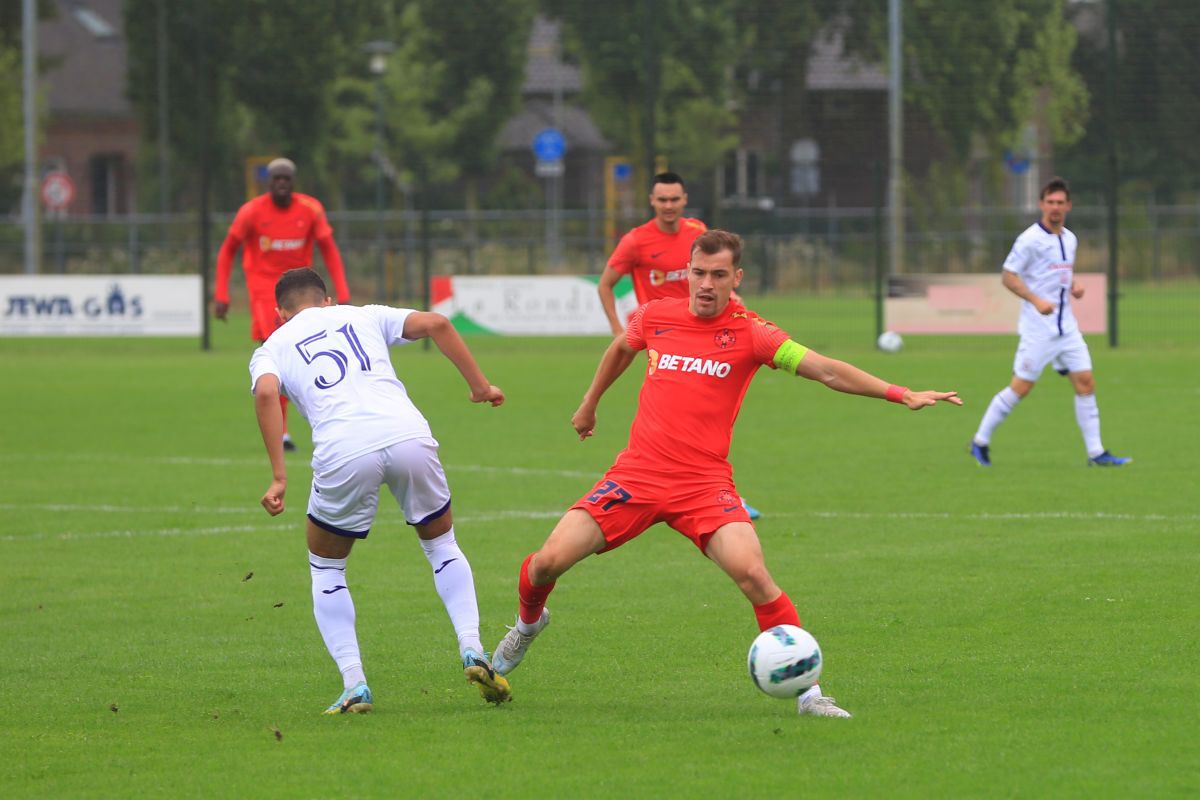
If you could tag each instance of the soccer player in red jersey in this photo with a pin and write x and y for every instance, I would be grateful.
(701, 354)
(655, 255)
(278, 229)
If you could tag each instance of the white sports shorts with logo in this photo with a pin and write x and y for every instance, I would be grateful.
(344, 499)
(1068, 351)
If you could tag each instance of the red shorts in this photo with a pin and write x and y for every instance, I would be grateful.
(626, 502)
(264, 319)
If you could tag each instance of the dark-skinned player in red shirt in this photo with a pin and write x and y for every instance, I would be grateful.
(701, 355)
(278, 230)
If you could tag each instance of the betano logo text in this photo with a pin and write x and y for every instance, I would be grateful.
(673, 363)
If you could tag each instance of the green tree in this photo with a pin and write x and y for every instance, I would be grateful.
(482, 44)
(655, 76)
(12, 140)
(12, 122)
(268, 84)
(979, 68)
(775, 41)
(452, 80)
(1157, 111)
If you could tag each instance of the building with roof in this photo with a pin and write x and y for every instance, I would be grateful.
(92, 131)
(550, 95)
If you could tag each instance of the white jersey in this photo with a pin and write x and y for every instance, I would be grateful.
(1046, 262)
(333, 363)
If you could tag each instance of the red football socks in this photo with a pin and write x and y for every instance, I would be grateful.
(533, 598)
(779, 611)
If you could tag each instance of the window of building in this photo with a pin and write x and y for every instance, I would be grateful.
(804, 178)
(105, 173)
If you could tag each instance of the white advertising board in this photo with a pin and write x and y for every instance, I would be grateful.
(528, 305)
(100, 305)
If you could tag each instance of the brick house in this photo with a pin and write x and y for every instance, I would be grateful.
(92, 132)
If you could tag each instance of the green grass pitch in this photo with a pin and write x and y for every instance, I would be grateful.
(1028, 630)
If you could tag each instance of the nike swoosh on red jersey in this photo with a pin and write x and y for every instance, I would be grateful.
(656, 255)
(661, 331)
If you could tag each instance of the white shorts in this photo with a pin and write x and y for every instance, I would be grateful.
(344, 500)
(1069, 352)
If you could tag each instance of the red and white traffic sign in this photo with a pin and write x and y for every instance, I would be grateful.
(58, 190)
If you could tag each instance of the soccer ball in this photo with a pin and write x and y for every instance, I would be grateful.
(784, 661)
(889, 342)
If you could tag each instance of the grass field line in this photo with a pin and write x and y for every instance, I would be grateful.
(491, 516)
(129, 533)
(481, 516)
(105, 508)
(998, 517)
(213, 461)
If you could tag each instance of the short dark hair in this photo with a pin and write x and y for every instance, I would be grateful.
(298, 285)
(714, 241)
(1055, 184)
(666, 177)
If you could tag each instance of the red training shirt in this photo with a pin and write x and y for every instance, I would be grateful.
(657, 261)
(276, 240)
(697, 372)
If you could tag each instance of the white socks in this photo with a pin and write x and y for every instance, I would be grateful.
(334, 611)
(1087, 414)
(456, 586)
(1000, 407)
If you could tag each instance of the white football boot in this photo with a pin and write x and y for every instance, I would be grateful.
(818, 705)
(512, 647)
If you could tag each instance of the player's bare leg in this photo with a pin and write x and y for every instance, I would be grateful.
(736, 549)
(574, 538)
(455, 584)
(334, 612)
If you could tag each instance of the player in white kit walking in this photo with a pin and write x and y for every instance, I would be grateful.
(334, 364)
(1040, 270)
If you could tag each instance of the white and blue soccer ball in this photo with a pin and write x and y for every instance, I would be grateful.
(889, 342)
(784, 661)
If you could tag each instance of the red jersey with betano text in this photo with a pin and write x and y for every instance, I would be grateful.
(657, 261)
(274, 240)
(697, 372)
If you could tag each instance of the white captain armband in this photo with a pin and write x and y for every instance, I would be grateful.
(789, 355)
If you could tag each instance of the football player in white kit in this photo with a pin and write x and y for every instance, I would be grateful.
(334, 364)
(1040, 270)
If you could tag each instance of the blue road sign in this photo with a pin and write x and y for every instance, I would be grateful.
(1016, 164)
(549, 145)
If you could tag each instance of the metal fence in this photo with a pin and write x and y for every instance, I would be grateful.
(788, 249)
(390, 257)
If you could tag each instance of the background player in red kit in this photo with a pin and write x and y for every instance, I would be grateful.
(655, 255)
(701, 354)
(278, 229)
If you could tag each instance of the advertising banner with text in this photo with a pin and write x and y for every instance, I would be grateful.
(528, 305)
(978, 304)
(100, 305)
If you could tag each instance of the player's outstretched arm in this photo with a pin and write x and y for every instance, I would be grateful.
(843, 377)
(608, 298)
(613, 363)
(270, 424)
(422, 324)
